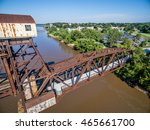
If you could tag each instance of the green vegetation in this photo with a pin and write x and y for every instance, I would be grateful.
(87, 37)
(145, 35)
(145, 44)
(84, 40)
(113, 36)
(138, 36)
(85, 45)
(137, 71)
(126, 44)
(92, 34)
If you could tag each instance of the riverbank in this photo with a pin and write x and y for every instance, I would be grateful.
(138, 87)
(145, 35)
(71, 45)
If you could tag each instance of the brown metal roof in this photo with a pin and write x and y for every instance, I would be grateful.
(11, 18)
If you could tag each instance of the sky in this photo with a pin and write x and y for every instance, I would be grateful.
(80, 11)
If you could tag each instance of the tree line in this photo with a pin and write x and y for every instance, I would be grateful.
(142, 27)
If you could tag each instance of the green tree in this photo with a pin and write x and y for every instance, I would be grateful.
(76, 35)
(52, 29)
(145, 43)
(63, 33)
(138, 70)
(68, 39)
(138, 36)
(92, 34)
(86, 45)
(113, 35)
(126, 44)
(145, 28)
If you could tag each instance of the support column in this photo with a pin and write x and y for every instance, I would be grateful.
(6, 66)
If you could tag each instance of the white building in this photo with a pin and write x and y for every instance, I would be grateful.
(17, 26)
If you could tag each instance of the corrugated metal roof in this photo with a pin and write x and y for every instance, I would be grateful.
(11, 18)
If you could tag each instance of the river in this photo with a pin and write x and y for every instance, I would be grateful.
(106, 94)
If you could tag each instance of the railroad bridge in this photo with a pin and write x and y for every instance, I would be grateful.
(39, 85)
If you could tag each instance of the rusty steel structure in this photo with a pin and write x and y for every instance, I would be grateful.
(23, 71)
(21, 59)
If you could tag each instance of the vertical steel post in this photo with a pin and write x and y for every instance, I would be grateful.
(7, 69)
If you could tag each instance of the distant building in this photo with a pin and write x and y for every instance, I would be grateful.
(90, 28)
(128, 36)
(118, 28)
(50, 25)
(99, 29)
(114, 27)
(79, 28)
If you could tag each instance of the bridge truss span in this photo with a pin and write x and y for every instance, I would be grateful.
(82, 67)
(23, 71)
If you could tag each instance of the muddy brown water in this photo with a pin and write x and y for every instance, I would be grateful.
(106, 94)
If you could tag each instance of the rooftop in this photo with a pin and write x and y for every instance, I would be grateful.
(12, 18)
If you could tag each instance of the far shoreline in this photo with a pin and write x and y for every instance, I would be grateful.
(61, 41)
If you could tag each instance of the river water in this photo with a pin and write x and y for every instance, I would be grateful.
(50, 49)
(106, 94)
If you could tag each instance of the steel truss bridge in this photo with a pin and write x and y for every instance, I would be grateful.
(23, 71)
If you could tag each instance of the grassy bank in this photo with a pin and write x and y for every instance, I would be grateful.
(71, 45)
(145, 35)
